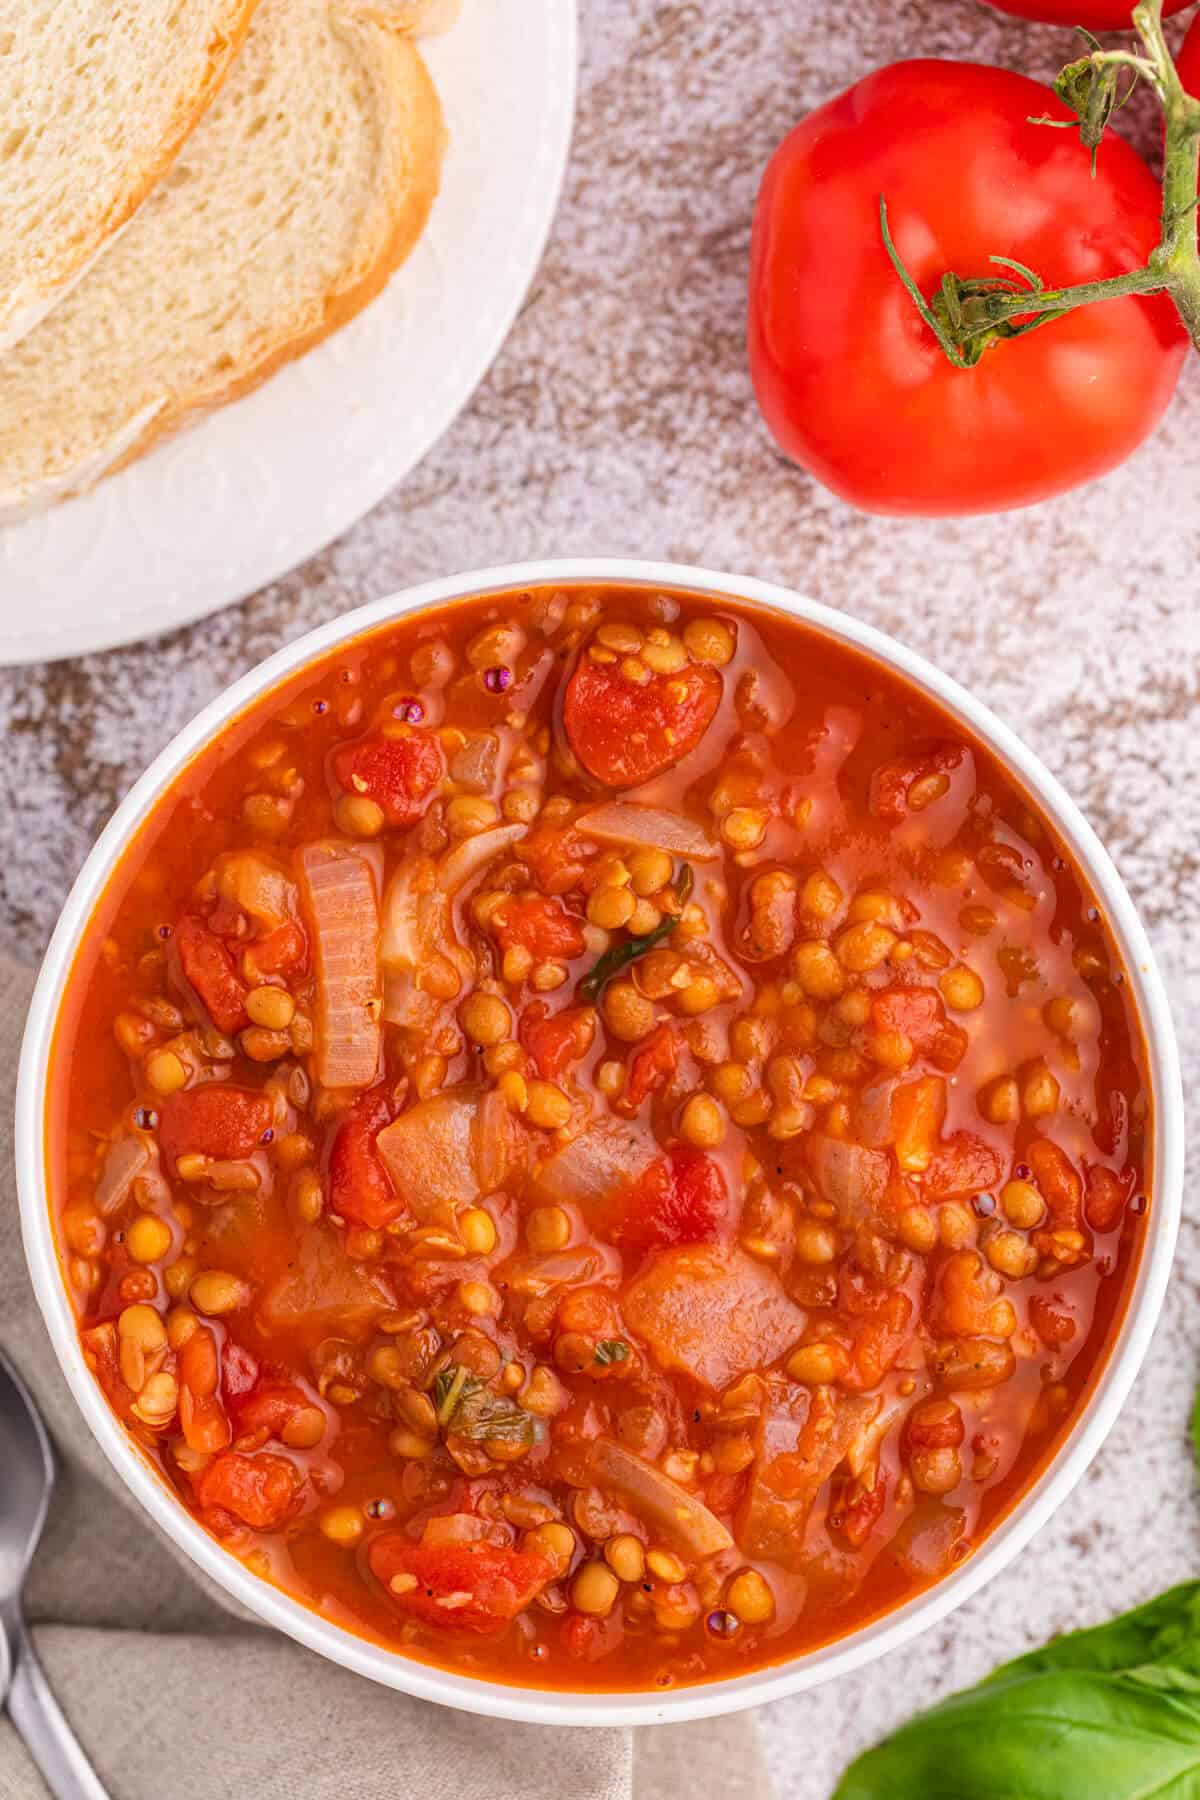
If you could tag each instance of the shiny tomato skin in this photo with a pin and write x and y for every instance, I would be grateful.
(1188, 60)
(542, 926)
(851, 381)
(653, 1064)
(217, 1120)
(555, 1040)
(499, 1583)
(258, 1490)
(208, 968)
(400, 774)
(681, 1198)
(360, 1188)
(624, 733)
(1095, 15)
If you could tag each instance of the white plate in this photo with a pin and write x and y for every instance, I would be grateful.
(238, 499)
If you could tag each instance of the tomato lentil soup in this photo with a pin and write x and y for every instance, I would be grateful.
(598, 1138)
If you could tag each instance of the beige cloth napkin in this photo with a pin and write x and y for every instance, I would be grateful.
(174, 1692)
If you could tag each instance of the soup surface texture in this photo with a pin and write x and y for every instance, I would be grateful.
(597, 1139)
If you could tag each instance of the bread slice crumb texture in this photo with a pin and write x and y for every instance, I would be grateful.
(96, 97)
(294, 199)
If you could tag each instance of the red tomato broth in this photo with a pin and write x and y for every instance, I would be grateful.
(835, 787)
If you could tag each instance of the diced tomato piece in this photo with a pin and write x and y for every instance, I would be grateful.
(555, 1040)
(878, 1341)
(653, 1064)
(269, 1407)
(283, 951)
(1052, 1320)
(471, 1586)
(1062, 1189)
(100, 1353)
(857, 1517)
(624, 733)
(360, 1187)
(962, 1164)
(918, 1109)
(588, 1639)
(259, 1490)
(239, 1370)
(963, 1296)
(680, 1199)
(800, 1438)
(214, 1120)
(892, 780)
(539, 924)
(556, 857)
(209, 970)
(921, 1016)
(400, 774)
(204, 1422)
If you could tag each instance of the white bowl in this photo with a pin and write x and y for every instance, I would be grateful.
(850, 1652)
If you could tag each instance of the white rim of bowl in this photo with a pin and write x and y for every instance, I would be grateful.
(729, 1694)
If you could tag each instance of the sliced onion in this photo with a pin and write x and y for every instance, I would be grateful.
(463, 1528)
(499, 1142)
(430, 1153)
(126, 1160)
(418, 932)
(321, 1286)
(600, 1161)
(451, 1148)
(403, 927)
(872, 1426)
(852, 1179)
(585, 1264)
(657, 1500)
(473, 854)
(340, 894)
(620, 822)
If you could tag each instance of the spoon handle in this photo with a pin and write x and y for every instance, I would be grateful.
(48, 1738)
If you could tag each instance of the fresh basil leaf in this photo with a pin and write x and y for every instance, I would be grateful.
(621, 955)
(611, 1350)
(1111, 1713)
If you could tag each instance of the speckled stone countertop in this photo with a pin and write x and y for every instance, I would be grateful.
(619, 419)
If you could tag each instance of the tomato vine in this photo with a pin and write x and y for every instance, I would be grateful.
(968, 313)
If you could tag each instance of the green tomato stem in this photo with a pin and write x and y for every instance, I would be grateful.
(966, 315)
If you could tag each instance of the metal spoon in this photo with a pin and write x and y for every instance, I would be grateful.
(26, 1481)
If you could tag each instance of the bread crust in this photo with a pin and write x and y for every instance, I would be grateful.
(413, 180)
(28, 304)
(425, 18)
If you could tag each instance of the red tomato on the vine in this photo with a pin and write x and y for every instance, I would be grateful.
(1095, 15)
(1188, 60)
(852, 382)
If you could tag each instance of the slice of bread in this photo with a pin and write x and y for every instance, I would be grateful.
(302, 189)
(95, 101)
